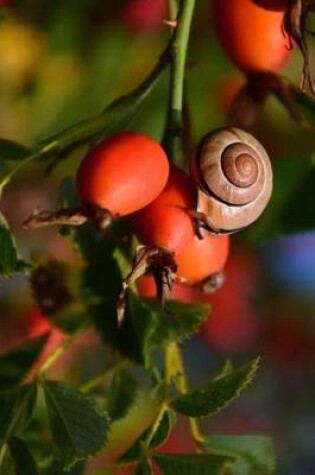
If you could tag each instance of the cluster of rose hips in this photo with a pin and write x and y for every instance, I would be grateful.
(129, 174)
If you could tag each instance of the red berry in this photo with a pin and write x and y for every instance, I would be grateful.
(202, 257)
(123, 173)
(165, 223)
(252, 37)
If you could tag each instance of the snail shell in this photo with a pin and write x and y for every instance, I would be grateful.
(233, 175)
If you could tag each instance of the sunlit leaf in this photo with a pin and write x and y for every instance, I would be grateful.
(213, 396)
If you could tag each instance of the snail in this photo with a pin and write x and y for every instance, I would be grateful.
(233, 176)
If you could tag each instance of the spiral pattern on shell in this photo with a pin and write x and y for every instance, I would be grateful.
(233, 175)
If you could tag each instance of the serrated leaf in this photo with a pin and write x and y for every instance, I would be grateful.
(143, 322)
(213, 396)
(155, 329)
(102, 284)
(10, 150)
(122, 394)
(23, 461)
(15, 364)
(254, 453)
(161, 435)
(191, 464)
(9, 261)
(78, 425)
(17, 407)
(182, 321)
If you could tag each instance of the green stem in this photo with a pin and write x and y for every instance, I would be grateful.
(174, 129)
(174, 369)
(169, 363)
(168, 375)
(2, 453)
(183, 389)
(101, 377)
(172, 8)
(155, 426)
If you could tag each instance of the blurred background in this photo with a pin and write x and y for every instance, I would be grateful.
(61, 62)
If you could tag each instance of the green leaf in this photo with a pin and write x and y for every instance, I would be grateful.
(23, 461)
(15, 364)
(122, 394)
(182, 321)
(17, 406)
(9, 261)
(254, 453)
(101, 286)
(78, 425)
(155, 328)
(144, 468)
(55, 466)
(213, 396)
(10, 150)
(191, 464)
(161, 435)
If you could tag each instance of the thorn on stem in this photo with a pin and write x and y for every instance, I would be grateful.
(171, 23)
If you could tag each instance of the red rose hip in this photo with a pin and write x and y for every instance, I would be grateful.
(123, 173)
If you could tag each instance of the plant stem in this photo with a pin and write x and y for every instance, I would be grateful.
(174, 129)
(174, 368)
(2, 452)
(172, 8)
(155, 425)
(183, 388)
(99, 378)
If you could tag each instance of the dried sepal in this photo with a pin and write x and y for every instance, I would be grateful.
(295, 25)
(77, 216)
(160, 264)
